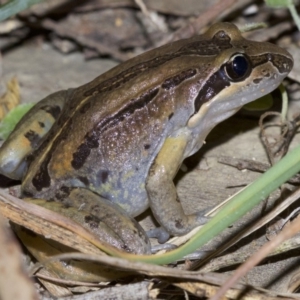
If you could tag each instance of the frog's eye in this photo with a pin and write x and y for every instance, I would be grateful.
(238, 67)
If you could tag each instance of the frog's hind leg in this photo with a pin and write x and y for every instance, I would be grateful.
(29, 134)
(108, 221)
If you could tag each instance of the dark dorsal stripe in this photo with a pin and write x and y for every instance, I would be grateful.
(174, 81)
(129, 108)
(91, 139)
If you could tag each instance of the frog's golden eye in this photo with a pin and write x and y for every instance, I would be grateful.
(238, 67)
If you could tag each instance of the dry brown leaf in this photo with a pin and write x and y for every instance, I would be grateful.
(11, 98)
(12, 270)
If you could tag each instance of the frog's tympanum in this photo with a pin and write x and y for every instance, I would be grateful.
(111, 148)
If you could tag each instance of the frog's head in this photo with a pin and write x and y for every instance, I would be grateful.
(243, 72)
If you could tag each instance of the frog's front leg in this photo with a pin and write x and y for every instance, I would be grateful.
(29, 134)
(164, 201)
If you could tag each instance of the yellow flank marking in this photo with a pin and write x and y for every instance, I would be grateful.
(22, 146)
(61, 167)
(63, 162)
(35, 126)
(23, 142)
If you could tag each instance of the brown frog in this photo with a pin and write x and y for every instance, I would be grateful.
(104, 152)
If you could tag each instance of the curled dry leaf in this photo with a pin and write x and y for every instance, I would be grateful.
(11, 98)
(12, 270)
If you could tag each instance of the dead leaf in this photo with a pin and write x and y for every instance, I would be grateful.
(11, 98)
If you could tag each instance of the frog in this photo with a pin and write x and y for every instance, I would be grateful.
(105, 152)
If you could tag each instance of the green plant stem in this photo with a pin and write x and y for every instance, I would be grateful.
(285, 101)
(294, 14)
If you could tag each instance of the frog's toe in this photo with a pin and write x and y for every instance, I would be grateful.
(158, 233)
(201, 216)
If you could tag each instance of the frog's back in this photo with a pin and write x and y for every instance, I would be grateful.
(111, 129)
(108, 143)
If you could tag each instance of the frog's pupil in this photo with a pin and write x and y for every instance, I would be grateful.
(240, 65)
(237, 68)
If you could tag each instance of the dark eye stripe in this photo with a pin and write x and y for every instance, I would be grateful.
(216, 83)
(279, 61)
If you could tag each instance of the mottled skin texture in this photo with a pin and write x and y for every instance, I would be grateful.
(124, 135)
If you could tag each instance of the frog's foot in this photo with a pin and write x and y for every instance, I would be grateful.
(158, 233)
(162, 236)
(201, 218)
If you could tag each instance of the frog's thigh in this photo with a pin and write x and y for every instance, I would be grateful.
(164, 201)
(29, 133)
(108, 221)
